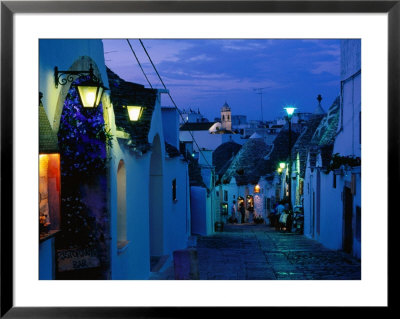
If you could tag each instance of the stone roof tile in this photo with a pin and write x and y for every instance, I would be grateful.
(48, 141)
(125, 93)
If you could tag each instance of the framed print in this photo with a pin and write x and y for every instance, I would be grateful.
(196, 156)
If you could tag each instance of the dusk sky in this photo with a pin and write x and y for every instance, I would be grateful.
(204, 74)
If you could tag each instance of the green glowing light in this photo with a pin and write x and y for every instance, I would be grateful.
(290, 110)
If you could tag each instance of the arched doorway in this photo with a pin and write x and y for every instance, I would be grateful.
(156, 214)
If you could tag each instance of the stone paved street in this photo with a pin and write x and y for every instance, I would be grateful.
(259, 252)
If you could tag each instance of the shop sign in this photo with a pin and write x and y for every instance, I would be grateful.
(75, 259)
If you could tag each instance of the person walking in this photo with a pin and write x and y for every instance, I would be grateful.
(280, 209)
(233, 212)
(242, 212)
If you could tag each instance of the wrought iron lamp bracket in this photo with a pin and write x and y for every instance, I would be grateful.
(63, 77)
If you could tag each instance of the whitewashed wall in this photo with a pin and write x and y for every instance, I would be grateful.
(177, 213)
(348, 140)
(200, 220)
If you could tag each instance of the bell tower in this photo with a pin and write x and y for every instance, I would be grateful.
(226, 119)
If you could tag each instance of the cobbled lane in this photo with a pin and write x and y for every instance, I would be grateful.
(259, 252)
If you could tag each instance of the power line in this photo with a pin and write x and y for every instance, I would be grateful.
(180, 113)
(139, 62)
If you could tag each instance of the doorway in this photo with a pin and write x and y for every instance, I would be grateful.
(348, 220)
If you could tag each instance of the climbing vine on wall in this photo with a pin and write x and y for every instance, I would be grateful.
(83, 137)
(79, 228)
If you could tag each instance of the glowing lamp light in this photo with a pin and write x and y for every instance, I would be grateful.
(90, 90)
(257, 188)
(90, 94)
(290, 110)
(282, 165)
(279, 170)
(135, 112)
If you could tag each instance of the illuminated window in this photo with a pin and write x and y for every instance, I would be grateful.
(49, 194)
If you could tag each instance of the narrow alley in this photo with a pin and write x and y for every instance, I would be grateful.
(259, 252)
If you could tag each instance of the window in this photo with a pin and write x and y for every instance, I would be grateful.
(225, 196)
(49, 194)
(174, 190)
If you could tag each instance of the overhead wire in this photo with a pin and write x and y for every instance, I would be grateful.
(179, 111)
(137, 60)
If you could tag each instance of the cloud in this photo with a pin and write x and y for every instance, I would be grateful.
(202, 57)
(245, 45)
(332, 67)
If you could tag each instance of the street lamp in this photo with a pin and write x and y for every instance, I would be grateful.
(90, 89)
(290, 110)
(135, 112)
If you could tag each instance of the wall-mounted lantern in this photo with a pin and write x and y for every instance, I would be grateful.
(135, 112)
(257, 188)
(90, 90)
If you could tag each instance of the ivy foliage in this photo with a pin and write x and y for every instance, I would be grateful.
(337, 161)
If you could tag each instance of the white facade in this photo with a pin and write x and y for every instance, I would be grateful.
(233, 192)
(208, 141)
(348, 140)
(332, 200)
(329, 200)
(156, 223)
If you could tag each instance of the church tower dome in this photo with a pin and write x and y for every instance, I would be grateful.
(226, 117)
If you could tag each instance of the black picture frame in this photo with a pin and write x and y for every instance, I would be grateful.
(9, 8)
